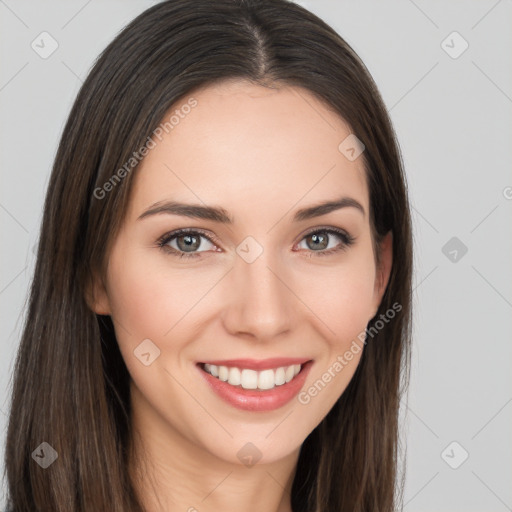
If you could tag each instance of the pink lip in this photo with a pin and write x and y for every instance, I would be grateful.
(255, 399)
(263, 364)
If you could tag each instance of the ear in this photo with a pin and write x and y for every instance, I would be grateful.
(96, 296)
(383, 271)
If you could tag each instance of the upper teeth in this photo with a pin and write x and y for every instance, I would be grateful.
(252, 379)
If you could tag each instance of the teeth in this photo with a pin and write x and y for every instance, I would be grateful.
(223, 373)
(252, 379)
(266, 379)
(234, 376)
(214, 370)
(249, 379)
(280, 378)
(290, 373)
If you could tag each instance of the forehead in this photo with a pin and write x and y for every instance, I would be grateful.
(243, 144)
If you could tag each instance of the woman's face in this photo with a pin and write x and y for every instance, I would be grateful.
(270, 283)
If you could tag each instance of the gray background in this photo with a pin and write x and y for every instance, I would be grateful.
(452, 117)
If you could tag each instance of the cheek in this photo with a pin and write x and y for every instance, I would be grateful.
(343, 307)
(140, 300)
(148, 300)
(341, 296)
(148, 303)
(132, 296)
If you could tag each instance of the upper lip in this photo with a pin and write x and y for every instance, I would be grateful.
(260, 364)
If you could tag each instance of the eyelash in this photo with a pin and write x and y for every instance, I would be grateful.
(347, 241)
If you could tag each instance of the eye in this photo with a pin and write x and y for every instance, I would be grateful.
(322, 241)
(186, 243)
(189, 243)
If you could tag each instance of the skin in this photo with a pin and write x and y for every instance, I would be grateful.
(261, 154)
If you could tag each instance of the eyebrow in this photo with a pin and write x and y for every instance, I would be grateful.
(218, 214)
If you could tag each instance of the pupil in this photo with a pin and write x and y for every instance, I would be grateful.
(322, 239)
(192, 242)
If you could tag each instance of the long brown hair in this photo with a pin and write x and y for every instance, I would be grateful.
(70, 383)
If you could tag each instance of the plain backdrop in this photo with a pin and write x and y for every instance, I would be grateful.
(444, 71)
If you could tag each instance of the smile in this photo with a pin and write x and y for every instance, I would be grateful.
(256, 385)
(253, 379)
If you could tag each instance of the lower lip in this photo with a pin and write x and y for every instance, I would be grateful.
(257, 400)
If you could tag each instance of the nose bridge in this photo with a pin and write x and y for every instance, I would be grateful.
(260, 302)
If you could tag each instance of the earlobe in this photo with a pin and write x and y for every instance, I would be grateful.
(96, 296)
(384, 270)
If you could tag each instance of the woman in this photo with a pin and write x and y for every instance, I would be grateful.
(220, 313)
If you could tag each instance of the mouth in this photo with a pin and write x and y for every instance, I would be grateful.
(246, 376)
(269, 387)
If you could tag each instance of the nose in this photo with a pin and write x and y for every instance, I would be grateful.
(259, 301)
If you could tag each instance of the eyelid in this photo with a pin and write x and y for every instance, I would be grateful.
(334, 229)
(184, 231)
